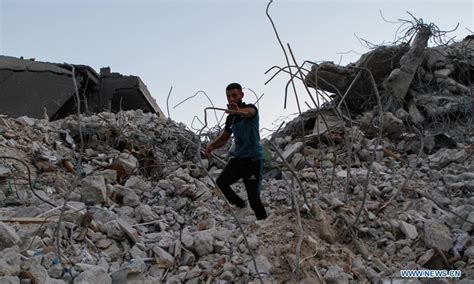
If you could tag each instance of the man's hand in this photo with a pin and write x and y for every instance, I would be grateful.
(232, 107)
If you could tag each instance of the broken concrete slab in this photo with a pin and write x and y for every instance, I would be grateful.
(264, 266)
(409, 230)
(166, 260)
(438, 105)
(291, 149)
(203, 243)
(8, 236)
(392, 125)
(131, 232)
(335, 274)
(415, 114)
(93, 274)
(128, 162)
(4, 172)
(399, 80)
(444, 157)
(93, 190)
(437, 235)
(9, 280)
(427, 256)
(326, 123)
(10, 261)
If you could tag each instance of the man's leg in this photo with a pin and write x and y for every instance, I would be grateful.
(252, 181)
(229, 175)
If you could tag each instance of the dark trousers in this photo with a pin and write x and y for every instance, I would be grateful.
(250, 169)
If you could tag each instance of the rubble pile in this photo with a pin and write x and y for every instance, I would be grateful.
(419, 207)
(141, 210)
(393, 184)
(426, 83)
(126, 198)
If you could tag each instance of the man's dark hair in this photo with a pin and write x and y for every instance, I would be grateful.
(232, 86)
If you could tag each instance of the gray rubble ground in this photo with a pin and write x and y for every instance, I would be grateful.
(143, 211)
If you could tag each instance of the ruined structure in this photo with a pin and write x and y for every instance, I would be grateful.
(427, 82)
(46, 90)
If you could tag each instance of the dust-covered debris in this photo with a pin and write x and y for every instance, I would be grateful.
(381, 186)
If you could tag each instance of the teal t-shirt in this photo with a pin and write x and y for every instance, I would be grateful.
(246, 134)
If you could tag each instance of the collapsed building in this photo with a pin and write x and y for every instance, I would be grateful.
(351, 199)
(403, 83)
(426, 82)
(46, 90)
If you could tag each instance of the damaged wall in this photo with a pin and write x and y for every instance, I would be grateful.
(32, 88)
(126, 93)
(46, 90)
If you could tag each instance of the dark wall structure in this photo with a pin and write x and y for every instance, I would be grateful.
(46, 90)
(126, 92)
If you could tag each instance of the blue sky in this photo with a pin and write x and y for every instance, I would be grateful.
(204, 45)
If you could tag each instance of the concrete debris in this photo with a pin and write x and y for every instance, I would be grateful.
(93, 274)
(128, 162)
(409, 230)
(437, 235)
(4, 172)
(8, 236)
(399, 80)
(203, 243)
(10, 262)
(165, 259)
(442, 73)
(444, 157)
(93, 190)
(291, 149)
(335, 274)
(263, 265)
(427, 256)
(141, 209)
(9, 280)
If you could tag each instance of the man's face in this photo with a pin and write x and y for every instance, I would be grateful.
(234, 96)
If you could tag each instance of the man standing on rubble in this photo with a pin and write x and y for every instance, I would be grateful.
(247, 163)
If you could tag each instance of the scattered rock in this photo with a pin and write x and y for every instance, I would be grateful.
(409, 230)
(335, 274)
(8, 236)
(128, 162)
(263, 265)
(9, 280)
(93, 274)
(291, 149)
(437, 235)
(203, 243)
(426, 257)
(444, 157)
(469, 252)
(131, 232)
(93, 190)
(10, 262)
(164, 258)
